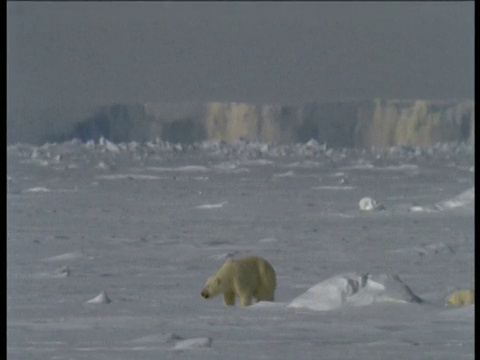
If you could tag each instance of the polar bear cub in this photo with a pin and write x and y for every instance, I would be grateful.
(249, 277)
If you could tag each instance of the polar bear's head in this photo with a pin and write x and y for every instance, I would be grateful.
(221, 282)
(213, 287)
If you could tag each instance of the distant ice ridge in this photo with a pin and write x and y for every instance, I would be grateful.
(354, 289)
(103, 153)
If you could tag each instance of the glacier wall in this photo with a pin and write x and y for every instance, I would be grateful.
(360, 124)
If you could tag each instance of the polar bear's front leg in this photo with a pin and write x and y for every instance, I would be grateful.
(246, 299)
(229, 298)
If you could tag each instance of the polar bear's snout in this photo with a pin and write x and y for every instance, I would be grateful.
(205, 294)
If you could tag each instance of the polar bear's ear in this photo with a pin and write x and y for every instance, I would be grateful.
(218, 281)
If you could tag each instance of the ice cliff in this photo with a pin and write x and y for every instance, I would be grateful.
(360, 124)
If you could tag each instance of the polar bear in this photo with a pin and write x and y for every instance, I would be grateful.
(247, 277)
(461, 298)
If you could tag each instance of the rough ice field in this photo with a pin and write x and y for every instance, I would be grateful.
(109, 245)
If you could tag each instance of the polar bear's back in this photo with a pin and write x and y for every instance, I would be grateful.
(264, 269)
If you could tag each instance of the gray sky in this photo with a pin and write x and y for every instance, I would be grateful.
(73, 53)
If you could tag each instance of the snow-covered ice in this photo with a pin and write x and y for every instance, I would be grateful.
(193, 343)
(354, 289)
(462, 200)
(213, 206)
(101, 298)
(146, 223)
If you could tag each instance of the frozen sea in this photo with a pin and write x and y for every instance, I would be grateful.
(109, 246)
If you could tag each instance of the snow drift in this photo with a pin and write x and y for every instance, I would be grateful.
(362, 124)
(463, 200)
(354, 289)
